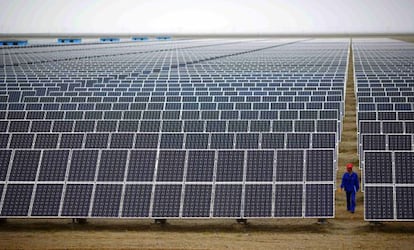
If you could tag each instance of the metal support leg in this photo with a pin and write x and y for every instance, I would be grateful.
(242, 221)
(160, 221)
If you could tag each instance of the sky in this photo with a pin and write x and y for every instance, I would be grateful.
(207, 16)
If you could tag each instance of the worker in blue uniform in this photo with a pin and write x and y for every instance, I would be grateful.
(350, 183)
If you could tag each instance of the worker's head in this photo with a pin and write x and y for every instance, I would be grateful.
(349, 167)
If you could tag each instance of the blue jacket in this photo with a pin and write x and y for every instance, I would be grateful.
(350, 182)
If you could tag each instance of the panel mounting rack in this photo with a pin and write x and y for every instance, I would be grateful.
(109, 39)
(69, 40)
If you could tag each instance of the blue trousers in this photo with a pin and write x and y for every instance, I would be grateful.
(350, 201)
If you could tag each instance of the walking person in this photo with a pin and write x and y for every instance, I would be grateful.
(350, 183)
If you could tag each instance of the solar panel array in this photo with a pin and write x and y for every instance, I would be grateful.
(385, 91)
(208, 128)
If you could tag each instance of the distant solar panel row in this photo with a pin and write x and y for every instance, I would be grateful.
(384, 86)
(180, 129)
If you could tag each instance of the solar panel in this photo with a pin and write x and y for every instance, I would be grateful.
(230, 166)
(139, 132)
(289, 165)
(53, 165)
(319, 165)
(106, 200)
(167, 201)
(200, 166)
(260, 165)
(399, 142)
(17, 200)
(227, 202)
(318, 200)
(404, 204)
(137, 200)
(24, 165)
(385, 134)
(171, 166)
(404, 173)
(112, 165)
(47, 200)
(288, 200)
(77, 200)
(258, 201)
(379, 203)
(197, 201)
(83, 165)
(5, 156)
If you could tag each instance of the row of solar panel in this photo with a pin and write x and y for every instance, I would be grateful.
(154, 71)
(188, 74)
(167, 165)
(161, 106)
(16, 60)
(13, 126)
(37, 47)
(385, 106)
(150, 66)
(385, 89)
(379, 70)
(384, 167)
(386, 93)
(93, 79)
(41, 57)
(386, 99)
(116, 69)
(186, 53)
(161, 57)
(389, 79)
(386, 127)
(109, 113)
(18, 95)
(388, 203)
(166, 201)
(190, 50)
(408, 84)
(65, 45)
(140, 67)
(181, 99)
(72, 89)
(388, 74)
(386, 142)
(181, 140)
(55, 47)
(370, 72)
(385, 115)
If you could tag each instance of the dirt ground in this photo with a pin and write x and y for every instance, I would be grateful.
(346, 231)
